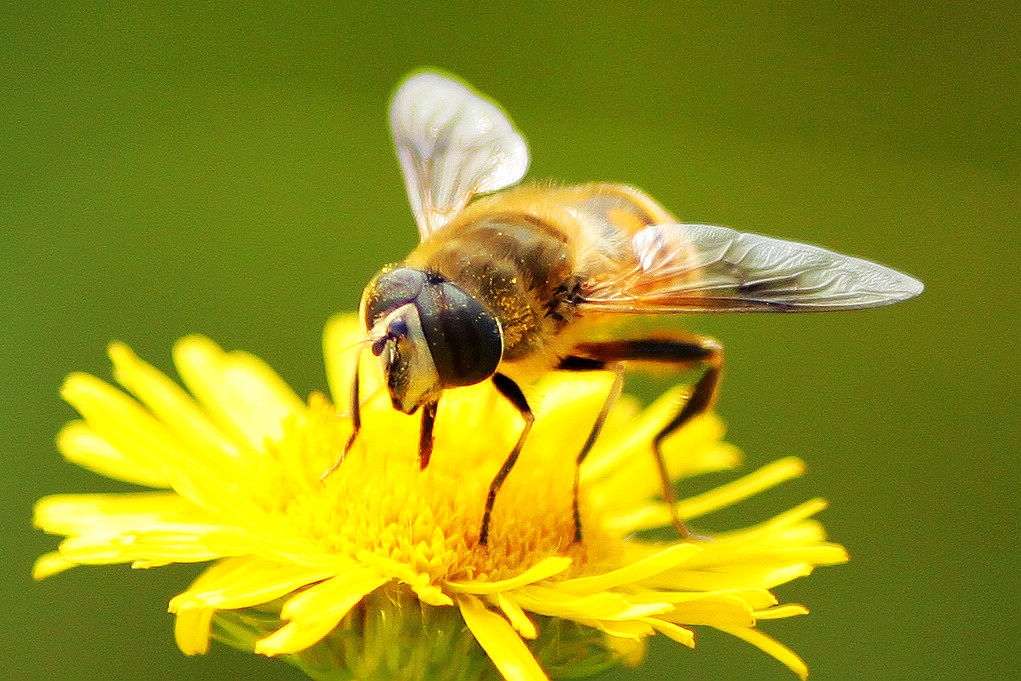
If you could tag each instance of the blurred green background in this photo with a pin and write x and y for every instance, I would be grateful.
(226, 168)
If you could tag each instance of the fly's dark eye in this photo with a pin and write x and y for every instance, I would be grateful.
(390, 290)
(464, 337)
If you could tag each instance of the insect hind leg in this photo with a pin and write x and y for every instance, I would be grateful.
(575, 363)
(682, 353)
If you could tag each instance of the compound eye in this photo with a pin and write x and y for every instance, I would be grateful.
(389, 290)
(465, 339)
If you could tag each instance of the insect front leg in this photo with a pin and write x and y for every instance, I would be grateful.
(683, 353)
(356, 421)
(425, 434)
(510, 390)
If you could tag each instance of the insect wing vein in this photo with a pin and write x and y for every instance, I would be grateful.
(703, 268)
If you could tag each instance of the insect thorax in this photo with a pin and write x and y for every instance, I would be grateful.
(517, 266)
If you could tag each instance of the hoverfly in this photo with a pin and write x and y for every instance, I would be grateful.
(513, 283)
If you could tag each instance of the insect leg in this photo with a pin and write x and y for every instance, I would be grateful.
(425, 437)
(356, 421)
(573, 363)
(684, 353)
(510, 390)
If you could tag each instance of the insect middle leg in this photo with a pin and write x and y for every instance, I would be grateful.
(682, 353)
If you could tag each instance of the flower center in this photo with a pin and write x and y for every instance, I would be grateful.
(379, 502)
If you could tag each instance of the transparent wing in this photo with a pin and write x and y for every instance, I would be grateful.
(701, 268)
(452, 143)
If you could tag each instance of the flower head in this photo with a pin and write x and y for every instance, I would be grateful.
(377, 569)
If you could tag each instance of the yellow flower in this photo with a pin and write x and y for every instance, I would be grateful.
(377, 570)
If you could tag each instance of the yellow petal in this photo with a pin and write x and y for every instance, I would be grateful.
(629, 651)
(782, 526)
(71, 514)
(582, 393)
(737, 577)
(314, 612)
(635, 629)
(81, 445)
(751, 555)
(50, 564)
(192, 625)
(718, 610)
(622, 451)
(248, 400)
(634, 517)
(544, 569)
(772, 647)
(697, 448)
(94, 550)
(154, 528)
(516, 616)
(609, 606)
(629, 574)
(221, 496)
(622, 466)
(232, 541)
(788, 610)
(101, 549)
(172, 405)
(191, 630)
(501, 643)
(648, 516)
(682, 635)
(431, 594)
(219, 571)
(123, 423)
(259, 582)
(770, 475)
(816, 555)
(569, 405)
